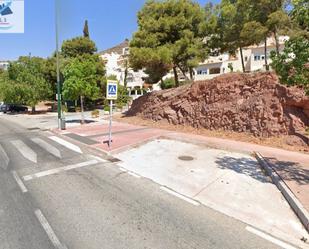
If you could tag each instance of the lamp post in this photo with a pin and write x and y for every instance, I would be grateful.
(58, 64)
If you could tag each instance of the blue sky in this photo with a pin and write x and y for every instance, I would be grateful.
(110, 22)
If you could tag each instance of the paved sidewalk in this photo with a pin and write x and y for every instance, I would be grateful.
(293, 167)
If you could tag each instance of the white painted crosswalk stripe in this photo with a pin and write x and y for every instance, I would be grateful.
(66, 144)
(59, 170)
(49, 231)
(19, 182)
(48, 147)
(4, 159)
(25, 150)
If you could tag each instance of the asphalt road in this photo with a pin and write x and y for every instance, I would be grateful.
(52, 196)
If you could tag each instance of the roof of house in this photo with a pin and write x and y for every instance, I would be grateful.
(118, 49)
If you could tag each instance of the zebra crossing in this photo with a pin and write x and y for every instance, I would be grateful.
(29, 148)
(25, 150)
(4, 159)
(48, 147)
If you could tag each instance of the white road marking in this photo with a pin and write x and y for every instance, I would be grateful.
(25, 150)
(4, 159)
(133, 174)
(49, 231)
(269, 238)
(66, 144)
(48, 147)
(193, 202)
(59, 170)
(19, 182)
(98, 158)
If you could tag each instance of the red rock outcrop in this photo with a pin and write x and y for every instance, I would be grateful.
(254, 103)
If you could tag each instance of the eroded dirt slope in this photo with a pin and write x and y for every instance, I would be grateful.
(253, 103)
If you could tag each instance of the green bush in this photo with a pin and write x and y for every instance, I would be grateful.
(168, 83)
(106, 108)
(292, 64)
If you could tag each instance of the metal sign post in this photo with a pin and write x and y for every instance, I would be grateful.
(111, 94)
(110, 123)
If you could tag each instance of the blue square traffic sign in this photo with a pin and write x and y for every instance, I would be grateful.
(111, 90)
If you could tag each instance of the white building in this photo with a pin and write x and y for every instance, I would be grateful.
(4, 65)
(254, 59)
(116, 62)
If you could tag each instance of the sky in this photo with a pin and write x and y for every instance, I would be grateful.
(110, 22)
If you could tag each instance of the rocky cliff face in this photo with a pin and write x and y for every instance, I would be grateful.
(254, 103)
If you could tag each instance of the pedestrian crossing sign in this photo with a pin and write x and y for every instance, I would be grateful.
(111, 90)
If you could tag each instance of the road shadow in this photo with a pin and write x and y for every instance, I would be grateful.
(78, 121)
(245, 166)
(290, 171)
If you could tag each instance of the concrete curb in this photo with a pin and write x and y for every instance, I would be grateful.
(97, 151)
(295, 204)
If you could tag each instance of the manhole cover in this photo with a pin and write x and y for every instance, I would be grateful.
(186, 158)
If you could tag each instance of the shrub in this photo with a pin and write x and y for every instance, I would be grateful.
(168, 83)
(292, 64)
(95, 113)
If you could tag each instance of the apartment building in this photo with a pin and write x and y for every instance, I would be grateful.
(254, 59)
(116, 63)
(4, 65)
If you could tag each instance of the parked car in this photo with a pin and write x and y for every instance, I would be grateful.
(1, 104)
(13, 108)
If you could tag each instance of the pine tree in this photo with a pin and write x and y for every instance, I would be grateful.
(86, 30)
(170, 33)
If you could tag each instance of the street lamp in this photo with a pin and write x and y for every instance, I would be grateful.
(58, 64)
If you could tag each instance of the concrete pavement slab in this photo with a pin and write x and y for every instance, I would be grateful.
(229, 182)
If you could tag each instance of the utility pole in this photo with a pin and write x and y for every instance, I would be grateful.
(58, 64)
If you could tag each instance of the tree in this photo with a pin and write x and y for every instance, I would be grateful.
(24, 83)
(300, 17)
(50, 72)
(292, 65)
(156, 72)
(267, 12)
(278, 22)
(213, 39)
(234, 28)
(78, 46)
(126, 72)
(156, 63)
(171, 33)
(86, 30)
(81, 80)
